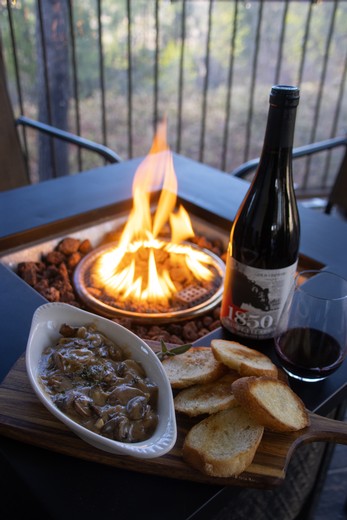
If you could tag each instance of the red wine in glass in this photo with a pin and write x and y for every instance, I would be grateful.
(311, 335)
(308, 353)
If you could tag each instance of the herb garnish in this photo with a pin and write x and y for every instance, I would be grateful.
(174, 351)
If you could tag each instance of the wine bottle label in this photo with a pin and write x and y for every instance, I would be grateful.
(254, 298)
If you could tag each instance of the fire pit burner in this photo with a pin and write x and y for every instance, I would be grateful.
(191, 301)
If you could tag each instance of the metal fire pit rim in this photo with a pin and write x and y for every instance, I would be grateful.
(146, 318)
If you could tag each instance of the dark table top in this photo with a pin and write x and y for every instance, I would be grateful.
(32, 214)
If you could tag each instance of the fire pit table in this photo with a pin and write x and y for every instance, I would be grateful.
(36, 216)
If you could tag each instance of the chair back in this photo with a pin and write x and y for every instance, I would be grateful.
(13, 172)
(338, 194)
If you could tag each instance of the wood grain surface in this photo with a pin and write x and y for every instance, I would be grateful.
(24, 418)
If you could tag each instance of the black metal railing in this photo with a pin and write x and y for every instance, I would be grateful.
(109, 70)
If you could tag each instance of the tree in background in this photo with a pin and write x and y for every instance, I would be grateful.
(53, 84)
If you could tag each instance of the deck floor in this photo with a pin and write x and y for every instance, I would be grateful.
(332, 503)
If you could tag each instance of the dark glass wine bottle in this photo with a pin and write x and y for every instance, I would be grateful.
(265, 235)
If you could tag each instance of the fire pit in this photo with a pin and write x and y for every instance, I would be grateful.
(178, 296)
(50, 267)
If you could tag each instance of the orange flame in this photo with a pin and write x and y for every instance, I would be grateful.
(118, 269)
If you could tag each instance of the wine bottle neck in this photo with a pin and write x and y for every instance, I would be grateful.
(280, 127)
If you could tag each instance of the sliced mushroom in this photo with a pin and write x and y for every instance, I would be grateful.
(117, 428)
(137, 407)
(115, 353)
(59, 383)
(98, 395)
(67, 331)
(57, 360)
(134, 368)
(123, 393)
(82, 405)
(148, 388)
(137, 431)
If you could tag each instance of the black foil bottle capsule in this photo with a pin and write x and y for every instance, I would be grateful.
(264, 241)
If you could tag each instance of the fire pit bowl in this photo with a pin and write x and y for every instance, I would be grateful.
(196, 301)
(44, 332)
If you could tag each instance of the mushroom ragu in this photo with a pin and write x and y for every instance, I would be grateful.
(90, 379)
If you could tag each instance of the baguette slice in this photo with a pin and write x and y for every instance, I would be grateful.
(223, 444)
(272, 403)
(245, 360)
(207, 398)
(197, 365)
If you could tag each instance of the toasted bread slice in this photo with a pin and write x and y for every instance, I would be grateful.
(271, 402)
(245, 360)
(197, 365)
(223, 444)
(207, 398)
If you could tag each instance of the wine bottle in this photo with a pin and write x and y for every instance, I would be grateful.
(264, 240)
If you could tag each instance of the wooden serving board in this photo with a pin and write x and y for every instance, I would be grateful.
(24, 418)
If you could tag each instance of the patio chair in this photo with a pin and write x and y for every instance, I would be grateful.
(338, 193)
(13, 172)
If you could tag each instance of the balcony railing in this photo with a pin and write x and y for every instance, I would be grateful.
(108, 70)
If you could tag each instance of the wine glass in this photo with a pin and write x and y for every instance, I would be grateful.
(311, 335)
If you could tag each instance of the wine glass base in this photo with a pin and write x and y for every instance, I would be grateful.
(313, 379)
